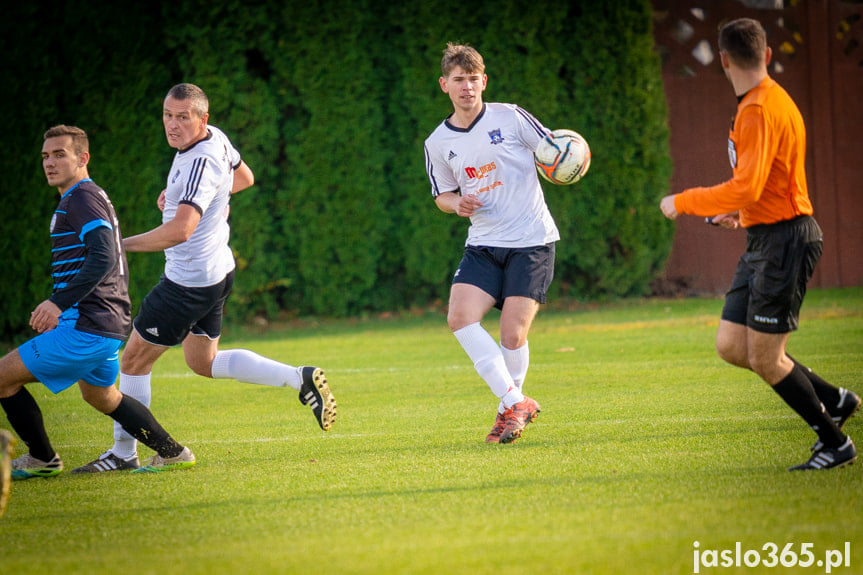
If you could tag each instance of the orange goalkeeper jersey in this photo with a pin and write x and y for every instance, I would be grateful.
(767, 150)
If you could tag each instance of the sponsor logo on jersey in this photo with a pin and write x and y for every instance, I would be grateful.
(732, 153)
(154, 331)
(768, 320)
(481, 172)
(177, 175)
(495, 136)
(451, 155)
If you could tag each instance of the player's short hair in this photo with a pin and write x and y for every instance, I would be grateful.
(80, 142)
(463, 56)
(186, 91)
(745, 42)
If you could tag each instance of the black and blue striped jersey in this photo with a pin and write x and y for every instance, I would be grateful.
(88, 265)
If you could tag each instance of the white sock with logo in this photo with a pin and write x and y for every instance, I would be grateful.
(488, 362)
(249, 367)
(138, 387)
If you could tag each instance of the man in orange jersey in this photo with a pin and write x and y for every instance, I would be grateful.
(767, 195)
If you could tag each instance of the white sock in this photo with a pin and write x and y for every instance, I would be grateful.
(517, 362)
(138, 387)
(488, 362)
(249, 367)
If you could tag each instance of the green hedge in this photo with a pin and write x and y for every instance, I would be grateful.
(329, 103)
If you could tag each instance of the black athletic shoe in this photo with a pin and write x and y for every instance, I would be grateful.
(316, 394)
(109, 462)
(849, 403)
(829, 457)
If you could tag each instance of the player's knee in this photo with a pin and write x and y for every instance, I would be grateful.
(514, 340)
(456, 320)
(133, 363)
(104, 399)
(724, 351)
(201, 366)
(9, 388)
(731, 352)
(764, 367)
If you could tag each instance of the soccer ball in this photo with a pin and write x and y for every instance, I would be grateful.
(563, 157)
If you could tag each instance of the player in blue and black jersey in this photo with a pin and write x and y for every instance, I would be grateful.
(84, 322)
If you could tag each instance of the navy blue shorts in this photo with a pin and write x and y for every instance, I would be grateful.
(505, 272)
(770, 282)
(63, 356)
(170, 311)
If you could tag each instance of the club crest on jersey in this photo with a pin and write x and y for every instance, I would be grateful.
(732, 153)
(495, 136)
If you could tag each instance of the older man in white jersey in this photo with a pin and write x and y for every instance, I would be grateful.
(480, 165)
(186, 306)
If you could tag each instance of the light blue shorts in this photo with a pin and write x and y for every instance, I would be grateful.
(61, 357)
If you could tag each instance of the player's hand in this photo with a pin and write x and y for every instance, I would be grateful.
(667, 207)
(728, 221)
(45, 316)
(160, 203)
(468, 205)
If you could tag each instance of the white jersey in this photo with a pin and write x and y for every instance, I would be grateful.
(493, 159)
(202, 176)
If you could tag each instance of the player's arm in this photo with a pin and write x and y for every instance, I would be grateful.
(453, 203)
(100, 260)
(754, 160)
(169, 234)
(243, 178)
(441, 178)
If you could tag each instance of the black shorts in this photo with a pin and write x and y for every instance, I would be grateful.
(770, 282)
(170, 311)
(505, 272)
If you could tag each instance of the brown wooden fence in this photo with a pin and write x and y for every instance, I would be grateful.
(818, 58)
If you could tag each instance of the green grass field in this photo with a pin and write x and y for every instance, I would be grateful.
(647, 444)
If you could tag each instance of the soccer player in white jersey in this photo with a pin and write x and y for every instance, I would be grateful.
(186, 306)
(480, 165)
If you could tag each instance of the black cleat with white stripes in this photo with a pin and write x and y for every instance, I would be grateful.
(317, 395)
(109, 462)
(829, 457)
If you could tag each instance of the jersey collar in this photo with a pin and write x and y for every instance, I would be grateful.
(204, 139)
(472, 124)
(78, 184)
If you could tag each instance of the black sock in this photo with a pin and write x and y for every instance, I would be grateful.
(25, 417)
(798, 393)
(139, 422)
(828, 394)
